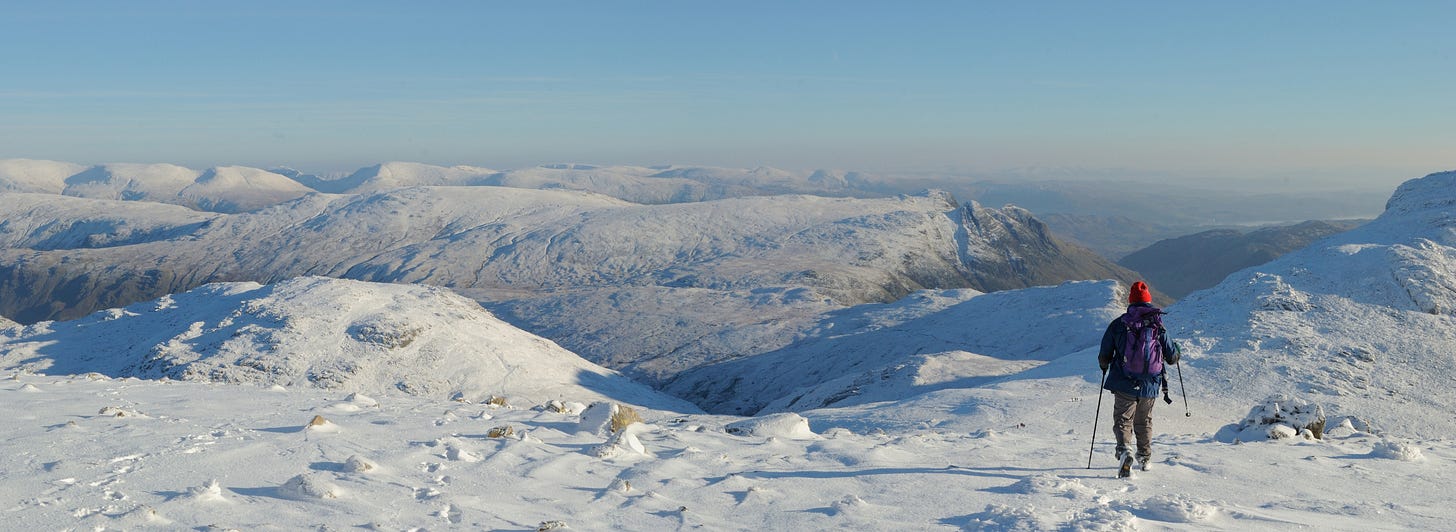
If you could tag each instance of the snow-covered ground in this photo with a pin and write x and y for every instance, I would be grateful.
(329, 333)
(98, 453)
(947, 410)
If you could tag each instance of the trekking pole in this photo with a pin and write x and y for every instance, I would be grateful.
(1186, 412)
(1096, 418)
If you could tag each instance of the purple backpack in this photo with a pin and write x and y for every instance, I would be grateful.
(1142, 353)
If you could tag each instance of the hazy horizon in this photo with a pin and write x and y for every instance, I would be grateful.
(1318, 93)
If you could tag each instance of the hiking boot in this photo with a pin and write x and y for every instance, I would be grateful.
(1145, 464)
(1124, 469)
(1119, 454)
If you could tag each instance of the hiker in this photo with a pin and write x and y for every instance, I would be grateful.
(1136, 350)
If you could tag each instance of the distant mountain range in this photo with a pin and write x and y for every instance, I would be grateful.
(219, 189)
(1359, 321)
(663, 279)
(987, 397)
(501, 238)
(1110, 216)
(1179, 266)
(680, 266)
(1084, 209)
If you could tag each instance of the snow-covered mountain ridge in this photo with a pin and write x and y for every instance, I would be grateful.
(500, 243)
(236, 188)
(1365, 319)
(1361, 322)
(217, 189)
(994, 412)
(342, 335)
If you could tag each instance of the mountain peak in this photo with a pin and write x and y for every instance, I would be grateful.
(1433, 191)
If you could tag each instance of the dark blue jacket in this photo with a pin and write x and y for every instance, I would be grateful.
(1109, 358)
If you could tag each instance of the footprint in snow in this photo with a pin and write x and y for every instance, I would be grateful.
(209, 492)
(1174, 508)
(451, 513)
(1048, 484)
(849, 504)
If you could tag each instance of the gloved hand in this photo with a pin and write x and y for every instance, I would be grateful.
(1104, 367)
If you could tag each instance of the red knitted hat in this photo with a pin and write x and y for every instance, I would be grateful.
(1139, 294)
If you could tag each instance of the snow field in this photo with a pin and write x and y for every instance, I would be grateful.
(186, 455)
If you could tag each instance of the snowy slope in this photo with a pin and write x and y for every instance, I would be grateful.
(1365, 320)
(654, 332)
(99, 453)
(632, 183)
(238, 189)
(36, 176)
(49, 222)
(1010, 454)
(1359, 323)
(851, 250)
(1005, 447)
(929, 341)
(397, 174)
(764, 179)
(147, 182)
(326, 333)
(220, 189)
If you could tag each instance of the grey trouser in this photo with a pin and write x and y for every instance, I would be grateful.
(1133, 415)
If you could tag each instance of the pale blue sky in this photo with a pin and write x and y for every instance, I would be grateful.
(1236, 89)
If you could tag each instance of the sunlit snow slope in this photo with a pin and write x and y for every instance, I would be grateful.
(325, 333)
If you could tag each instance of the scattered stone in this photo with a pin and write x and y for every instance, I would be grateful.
(309, 486)
(461, 454)
(357, 464)
(849, 504)
(607, 418)
(1396, 450)
(362, 400)
(500, 432)
(319, 424)
(550, 525)
(1279, 417)
(116, 411)
(147, 514)
(620, 443)
(211, 491)
(784, 425)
